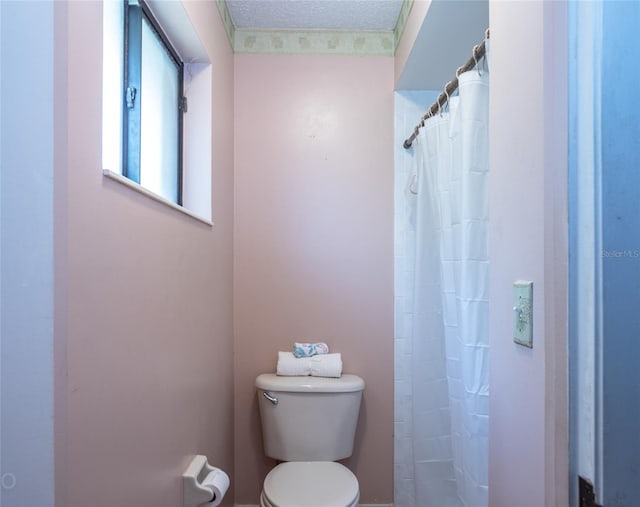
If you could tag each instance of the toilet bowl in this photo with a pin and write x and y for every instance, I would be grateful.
(308, 424)
(310, 484)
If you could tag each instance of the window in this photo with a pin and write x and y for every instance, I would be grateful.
(153, 63)
(154, 105)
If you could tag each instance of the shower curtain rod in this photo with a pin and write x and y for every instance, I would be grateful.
(478, 53)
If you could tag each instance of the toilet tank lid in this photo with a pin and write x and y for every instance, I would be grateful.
(345, 384)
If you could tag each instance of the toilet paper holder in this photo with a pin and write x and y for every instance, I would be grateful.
(193, 491)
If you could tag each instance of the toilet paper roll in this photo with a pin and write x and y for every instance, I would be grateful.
(218, 482)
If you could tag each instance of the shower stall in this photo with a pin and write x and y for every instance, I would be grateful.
(441, 293)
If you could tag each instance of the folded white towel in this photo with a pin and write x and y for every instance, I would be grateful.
(326, 365)
(309, 349)
(291, 366)
(322, 365)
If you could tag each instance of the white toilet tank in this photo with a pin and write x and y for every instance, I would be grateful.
(309, 418)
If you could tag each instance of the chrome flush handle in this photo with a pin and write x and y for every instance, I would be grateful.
(269, 395)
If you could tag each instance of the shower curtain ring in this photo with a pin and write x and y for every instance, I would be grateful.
(413, 183)
(446, 93)
(476, 48)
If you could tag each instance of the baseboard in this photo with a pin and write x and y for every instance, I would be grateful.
(361, 505)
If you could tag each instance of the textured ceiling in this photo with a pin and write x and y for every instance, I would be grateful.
(314, 14)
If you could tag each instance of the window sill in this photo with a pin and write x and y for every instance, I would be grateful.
(140, 189)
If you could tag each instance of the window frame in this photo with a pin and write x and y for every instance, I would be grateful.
(136, 12)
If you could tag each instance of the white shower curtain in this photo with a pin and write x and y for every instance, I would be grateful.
(450, 343)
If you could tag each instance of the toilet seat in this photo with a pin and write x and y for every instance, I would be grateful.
(310, 484)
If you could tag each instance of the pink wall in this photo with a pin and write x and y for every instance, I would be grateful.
(149, 308)
(528, 240)
(149, 296)
(313, 243)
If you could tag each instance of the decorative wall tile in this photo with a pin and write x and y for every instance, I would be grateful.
(229, 28)
(292, 42)
(402, 21)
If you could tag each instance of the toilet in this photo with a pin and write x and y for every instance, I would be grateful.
(309, 423)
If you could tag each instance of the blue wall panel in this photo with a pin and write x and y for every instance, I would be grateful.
(621, 252)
